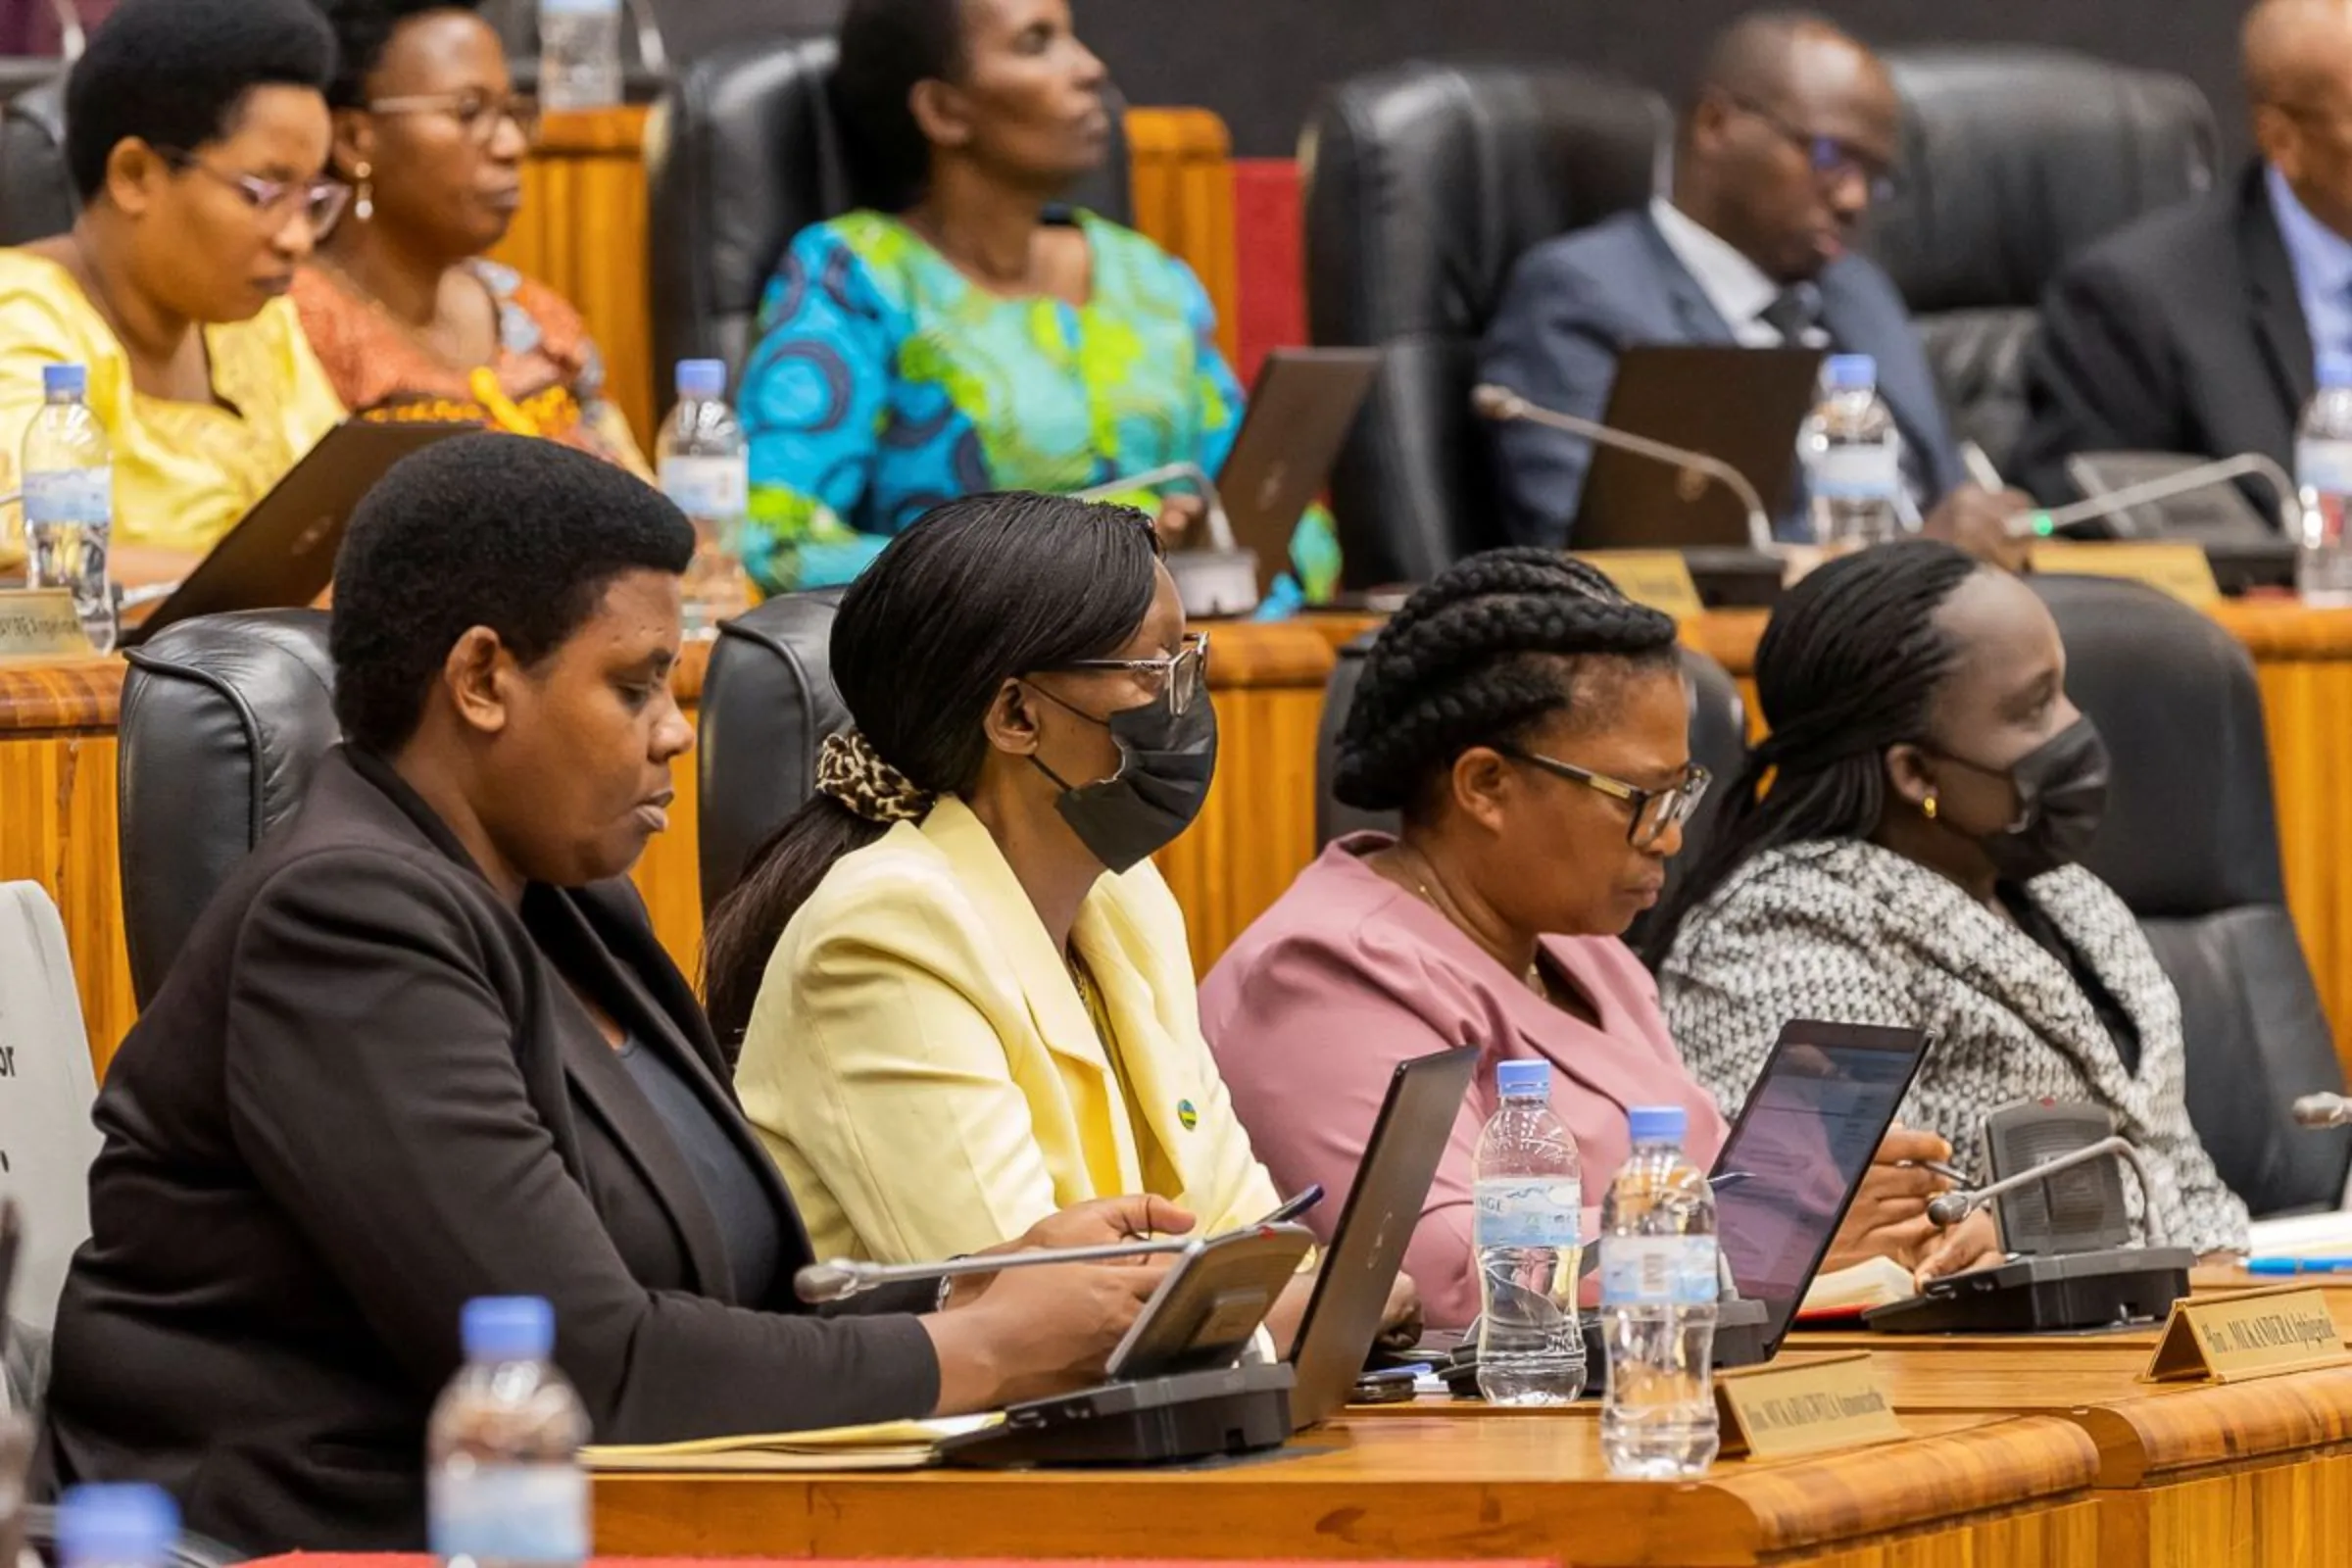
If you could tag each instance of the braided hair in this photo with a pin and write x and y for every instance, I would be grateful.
(1494, 646)
(1846, 668)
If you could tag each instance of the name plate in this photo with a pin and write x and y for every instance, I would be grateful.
(2179, 569)
(2228, 1339)
(40, 623)
(1805, 1407)
(1658, 578)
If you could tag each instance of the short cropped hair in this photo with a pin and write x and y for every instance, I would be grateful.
(175, 72)
(510, 532)
(364, 29)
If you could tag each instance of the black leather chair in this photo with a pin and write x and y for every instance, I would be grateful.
(1718, 743)
(1425, 184)
(2192, 844)
(224, 721)
(747, 157)
(37, 194)
(769, 703)
(2013, 159)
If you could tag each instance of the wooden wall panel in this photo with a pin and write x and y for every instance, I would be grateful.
(59, 828)
(1182, 172)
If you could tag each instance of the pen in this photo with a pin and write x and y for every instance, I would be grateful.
(1980, 467)
(1297, 1204)
(2298, 1265)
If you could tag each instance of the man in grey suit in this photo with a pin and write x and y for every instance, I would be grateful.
(1788, 138)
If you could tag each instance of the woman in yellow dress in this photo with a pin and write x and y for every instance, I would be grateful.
(196, 135)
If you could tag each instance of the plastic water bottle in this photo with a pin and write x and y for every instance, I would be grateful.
(2324, 479)
(1658, 1274)
(705, 465)
(579, 54)
(127, 1524)
(1853, 456)
(68, 469)
(504, 1486)
(1530, 1195)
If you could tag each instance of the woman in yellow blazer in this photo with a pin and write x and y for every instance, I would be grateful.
(968, 995)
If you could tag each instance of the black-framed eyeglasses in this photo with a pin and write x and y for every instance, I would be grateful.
(479, 113)
(1183, 675)
(1654, 812)
(322, 200)
(1832, 161)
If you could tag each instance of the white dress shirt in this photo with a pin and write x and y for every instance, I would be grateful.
(1735, 285)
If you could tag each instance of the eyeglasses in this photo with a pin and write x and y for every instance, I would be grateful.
(478, 114)
(1654, 810)
(322, 200)
(1834, 162)
(1182, 674)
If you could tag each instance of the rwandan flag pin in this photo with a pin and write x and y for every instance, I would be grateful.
(1186, 1116)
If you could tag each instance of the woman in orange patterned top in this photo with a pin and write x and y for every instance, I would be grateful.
(409, 318)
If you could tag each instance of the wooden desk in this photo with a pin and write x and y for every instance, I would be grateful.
(2011, 1493)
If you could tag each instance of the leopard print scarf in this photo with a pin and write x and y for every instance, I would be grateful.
(853, 772)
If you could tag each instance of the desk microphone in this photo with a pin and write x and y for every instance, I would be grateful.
(1950, 1208)
(2323, 1111)
(1505, 407)
(1220, 527)
(2204, 476)
(842, 1278)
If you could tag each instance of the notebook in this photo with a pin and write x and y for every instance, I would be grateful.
(885, 1445)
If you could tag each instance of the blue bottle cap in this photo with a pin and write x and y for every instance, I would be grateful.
(1523, 1078)
(65, 380)
(1657, 1124)
(1850, 372)
(2336, 370)
(702, 379)
(116, 1522)
(507, 1327)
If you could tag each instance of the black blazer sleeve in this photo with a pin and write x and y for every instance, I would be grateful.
(375, 1087)
(2099, 377)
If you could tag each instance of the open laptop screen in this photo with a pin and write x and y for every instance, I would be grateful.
(1795, 1159)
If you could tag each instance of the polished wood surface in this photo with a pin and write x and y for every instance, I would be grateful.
(1967, 1492)
(1181, 177)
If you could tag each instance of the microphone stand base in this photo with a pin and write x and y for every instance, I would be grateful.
(2102, 1289)
(1172, 1420)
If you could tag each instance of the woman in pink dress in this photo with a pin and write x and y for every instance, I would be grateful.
(1532, 727)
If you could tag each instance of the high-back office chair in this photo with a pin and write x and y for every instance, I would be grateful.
(1425, 184)
(769, 703)
(1718, 743)
(2013, 159)
(747, 157)
(36, 193)
(2192, 844)
(224, 719)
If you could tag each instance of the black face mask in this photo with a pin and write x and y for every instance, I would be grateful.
(1166, 764)
(2060, 799)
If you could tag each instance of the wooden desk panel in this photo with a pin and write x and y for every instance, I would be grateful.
(2011, 1491)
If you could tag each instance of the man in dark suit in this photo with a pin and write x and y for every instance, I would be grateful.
(1790, 137)
(2198, 329)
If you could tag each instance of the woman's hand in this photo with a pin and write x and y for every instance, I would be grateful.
(1890, 1214)
(1178, 514)
(1973, 1243)
(1036, 1332)
(1401, 1321)
(1102, 1222)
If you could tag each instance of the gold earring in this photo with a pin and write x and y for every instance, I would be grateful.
(1928, 808)
(363, 206)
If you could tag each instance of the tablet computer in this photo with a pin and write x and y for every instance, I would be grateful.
(1211, 1303)
(1304, 403)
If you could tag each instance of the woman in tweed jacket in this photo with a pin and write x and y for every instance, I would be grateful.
(1910, 863)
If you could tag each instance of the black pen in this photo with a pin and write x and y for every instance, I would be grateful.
(1307, 1197)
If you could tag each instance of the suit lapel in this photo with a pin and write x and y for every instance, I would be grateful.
(1152, 1061)
(2272, 297)
(1699, 319)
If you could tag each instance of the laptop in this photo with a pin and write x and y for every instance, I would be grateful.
(1304, 403)
(1367, 1248)
(1797, 1154)
(1743, 405)
(281, 553)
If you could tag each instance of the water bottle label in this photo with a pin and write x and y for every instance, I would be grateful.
(515, 1512)
(1657, 1271)
(2324, 466)
(78, 497)
(1532, 1211)
(709, 487)
(1864, 472)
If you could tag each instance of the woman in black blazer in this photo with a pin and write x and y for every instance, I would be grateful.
(423, 1046)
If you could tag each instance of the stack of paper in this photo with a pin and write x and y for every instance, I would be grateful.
(2305, 1236)
(1848, 1292)
(887, 1445)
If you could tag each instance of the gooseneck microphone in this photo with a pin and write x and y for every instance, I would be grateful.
(2205, 476)
(1950, 1208)
(841, 1279)
(2323, 1111)
(1505, 407)
(1220, 527)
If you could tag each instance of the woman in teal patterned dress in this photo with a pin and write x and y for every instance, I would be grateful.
(967, 333)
